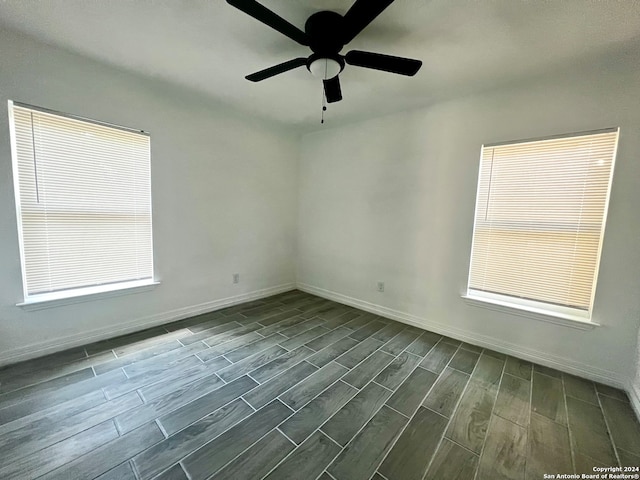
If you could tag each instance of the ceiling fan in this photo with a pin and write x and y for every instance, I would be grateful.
(326, 33)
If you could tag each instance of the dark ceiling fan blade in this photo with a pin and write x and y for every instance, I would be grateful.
(387, 63)
(361, 14)
(332, 89)
(266, 16)
(276, 69)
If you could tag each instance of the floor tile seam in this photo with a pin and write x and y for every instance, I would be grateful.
(355, 435)
(39, 415)
(609, 430)
(253, 355)
(529, 435)
(208, 440)
(53, 378)
(484, 441)
(141, 396)
(411, 417)
(572, 445)
(208, 372)
(317, 395)
(16, 459)
(304, 344)
(319, 427)
(297, 446)
(276, 427)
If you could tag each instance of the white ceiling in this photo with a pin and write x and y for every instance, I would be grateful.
(209, 46)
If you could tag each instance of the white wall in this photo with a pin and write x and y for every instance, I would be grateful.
(392, 199)
(224, 198)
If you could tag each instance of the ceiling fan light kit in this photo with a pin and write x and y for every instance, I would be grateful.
(326, 33)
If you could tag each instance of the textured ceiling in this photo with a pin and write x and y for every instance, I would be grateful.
(209, 46)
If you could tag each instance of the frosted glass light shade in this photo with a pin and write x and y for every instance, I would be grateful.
(324, 68)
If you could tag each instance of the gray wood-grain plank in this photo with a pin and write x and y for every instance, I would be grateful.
(438, 357)
(412, 392)
(518, 368)
(255, 462)
(446, 392)
(397, 344)
(109, 455)
(248, 364)
(308, 460)
(398, 370)
(171, 401)
(314, 414)
(628, 459)
(169, 451)
(54, 428)
(311, 386)
(424, 343)
(228, 345)
(304, 337)
(50, 458)
(253, 348)
(623, 424)
(356, 413)
(328, 338)
(452, 462)
(513, 402)
(464, 360)
(367, 369)
(123, 471)
(580, 388)
(368, 330)
(358, 353)
(468, 426)
(202, 406)
(333, 351)
(589, 432)
(174, 473)
(488, 371)
(361, 457)
(549, 448)
(266, 392)
(214, 455)
(410, 456)
(505, 452)
(612, 392)
(36, 402)
(280, 364)
(388, 332)
(547, 398)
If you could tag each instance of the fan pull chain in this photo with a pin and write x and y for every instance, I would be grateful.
(324, 105)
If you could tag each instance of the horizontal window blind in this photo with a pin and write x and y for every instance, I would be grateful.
(83, 191)
(540, 218)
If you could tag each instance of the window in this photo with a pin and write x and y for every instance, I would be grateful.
(83, 198)
(540, 214)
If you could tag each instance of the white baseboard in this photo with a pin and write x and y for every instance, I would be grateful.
(525, 353)
(133, 325)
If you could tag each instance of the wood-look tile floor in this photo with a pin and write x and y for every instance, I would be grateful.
(298, 387)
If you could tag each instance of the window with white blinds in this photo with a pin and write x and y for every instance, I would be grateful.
(540, 215)
(83, 197)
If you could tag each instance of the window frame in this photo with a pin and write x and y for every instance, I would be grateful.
(88, 292)
(539, 310)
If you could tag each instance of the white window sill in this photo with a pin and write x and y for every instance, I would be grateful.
(564, 319)
(86, 294)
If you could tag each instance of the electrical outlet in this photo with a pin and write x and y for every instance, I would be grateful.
(236, 278)
(381, 286)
